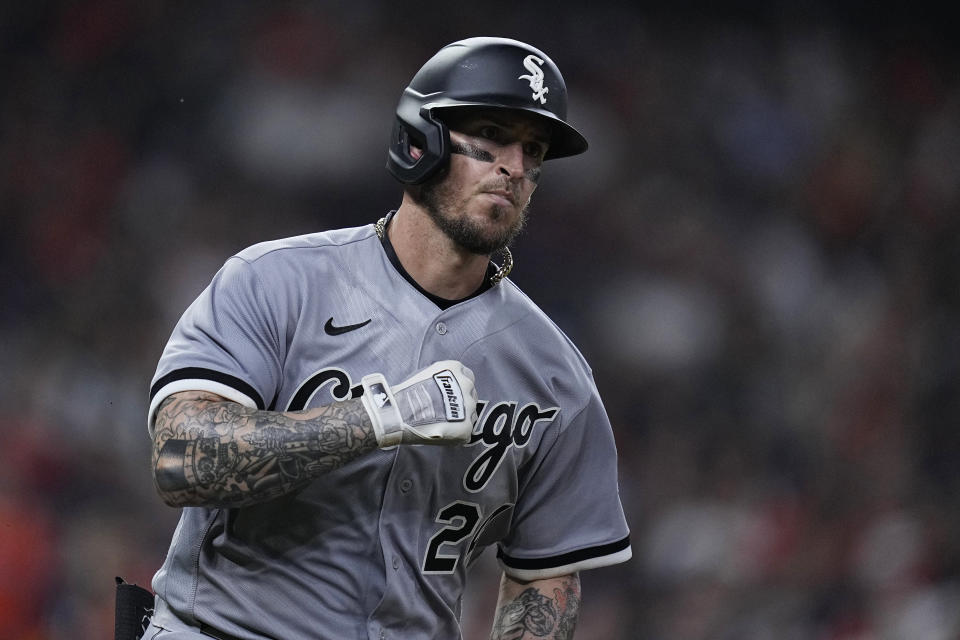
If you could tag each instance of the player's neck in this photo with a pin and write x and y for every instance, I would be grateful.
(438, 265)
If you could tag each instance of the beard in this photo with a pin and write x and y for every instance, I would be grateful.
(439, 200)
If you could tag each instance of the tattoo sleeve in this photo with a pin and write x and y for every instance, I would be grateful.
(539, 609)
(211, 452)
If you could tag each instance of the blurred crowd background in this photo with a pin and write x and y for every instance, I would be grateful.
(759, 255)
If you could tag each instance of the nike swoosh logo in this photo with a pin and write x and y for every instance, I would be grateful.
(336, 331)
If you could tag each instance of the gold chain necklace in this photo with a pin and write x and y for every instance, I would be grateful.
(502, 272)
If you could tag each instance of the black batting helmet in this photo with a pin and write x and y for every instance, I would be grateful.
(496, 73)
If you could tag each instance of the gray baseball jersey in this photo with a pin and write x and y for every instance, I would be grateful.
(380, 548)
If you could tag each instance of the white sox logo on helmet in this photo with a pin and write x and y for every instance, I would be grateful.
(532, 64)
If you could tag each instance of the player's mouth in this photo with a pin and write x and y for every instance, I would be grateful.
(502, 197)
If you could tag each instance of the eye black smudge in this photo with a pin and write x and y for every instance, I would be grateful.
(471, 151)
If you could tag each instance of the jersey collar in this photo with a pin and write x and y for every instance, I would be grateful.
(443, 303)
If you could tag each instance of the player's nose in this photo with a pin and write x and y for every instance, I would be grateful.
(510, 160)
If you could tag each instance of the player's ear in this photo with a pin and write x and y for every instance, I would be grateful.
(413, 190)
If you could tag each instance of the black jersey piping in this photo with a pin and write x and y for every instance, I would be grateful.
(200, 373)
(565, 558)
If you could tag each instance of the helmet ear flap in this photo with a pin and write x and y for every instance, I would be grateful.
(422, 130)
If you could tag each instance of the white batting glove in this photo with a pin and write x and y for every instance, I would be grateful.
(438, 405)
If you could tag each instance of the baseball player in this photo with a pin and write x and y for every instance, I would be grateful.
(349, 418)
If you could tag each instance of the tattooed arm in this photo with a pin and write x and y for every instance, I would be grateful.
(208, 451)
(539, 609)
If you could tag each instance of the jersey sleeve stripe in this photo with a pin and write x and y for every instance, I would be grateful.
(193, 373)
(579, 560)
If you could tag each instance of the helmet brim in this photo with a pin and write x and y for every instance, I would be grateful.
(565, 140)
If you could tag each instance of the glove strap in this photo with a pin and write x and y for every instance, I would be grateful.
(381, 404)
